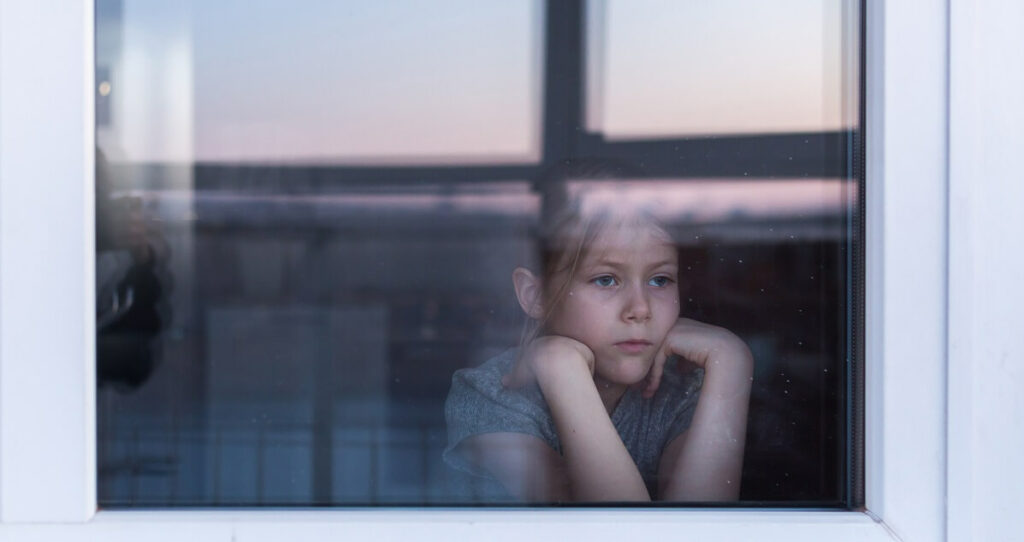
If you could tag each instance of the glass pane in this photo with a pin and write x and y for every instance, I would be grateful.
(726, 67)
(330, 82)
(325, 234)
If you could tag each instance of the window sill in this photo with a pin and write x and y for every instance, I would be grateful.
(592, 525)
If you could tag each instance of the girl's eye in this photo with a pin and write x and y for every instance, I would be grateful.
(660, 282)
(605, 281)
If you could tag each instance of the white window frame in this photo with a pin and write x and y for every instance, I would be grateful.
(914, 242)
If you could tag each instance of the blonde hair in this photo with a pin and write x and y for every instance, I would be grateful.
(564, 243)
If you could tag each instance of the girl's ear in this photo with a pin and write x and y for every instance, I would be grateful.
(528, 291)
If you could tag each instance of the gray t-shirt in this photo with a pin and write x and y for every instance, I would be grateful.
(479, 404)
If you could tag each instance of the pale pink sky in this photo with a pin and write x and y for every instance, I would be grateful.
(401, 81)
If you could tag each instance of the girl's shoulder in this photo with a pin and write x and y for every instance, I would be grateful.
(487, 375)
(478, 403)
(480, 388)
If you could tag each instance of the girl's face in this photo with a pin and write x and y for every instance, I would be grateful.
(622, 301)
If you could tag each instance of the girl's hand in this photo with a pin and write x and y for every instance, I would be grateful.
(709, 347)
(545, 354)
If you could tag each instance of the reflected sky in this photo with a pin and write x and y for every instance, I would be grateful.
(366, 79)
(722, 67)
(413, 82)
(718, 200)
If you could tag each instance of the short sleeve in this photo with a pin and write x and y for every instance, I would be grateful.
(478, 404)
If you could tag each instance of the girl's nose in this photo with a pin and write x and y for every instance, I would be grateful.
(638, 308)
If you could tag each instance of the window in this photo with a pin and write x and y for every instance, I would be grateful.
(301, 236)
(66, 453)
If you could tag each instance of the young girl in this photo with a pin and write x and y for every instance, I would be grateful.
(592, 406)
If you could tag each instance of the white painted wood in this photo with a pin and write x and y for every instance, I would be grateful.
(874, 268)
(447, 525)
(906, 266)
(47, 417)
(986, 292)
(47, 431)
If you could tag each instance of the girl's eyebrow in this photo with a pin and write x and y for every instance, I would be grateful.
(619, 263)
(665, 263)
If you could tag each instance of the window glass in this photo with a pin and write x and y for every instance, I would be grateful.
(325, 233)
(693, 68)
(327, 82)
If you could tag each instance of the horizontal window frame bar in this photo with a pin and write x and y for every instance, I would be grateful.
(384, 525)
(778, 156)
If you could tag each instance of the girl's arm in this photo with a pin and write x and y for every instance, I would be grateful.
(705, 462)
(524, 465)
(596, 464)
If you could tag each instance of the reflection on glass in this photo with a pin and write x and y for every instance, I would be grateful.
(330, 82)
(308, 222)
(726, 67)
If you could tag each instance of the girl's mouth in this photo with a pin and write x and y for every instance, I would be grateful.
(633, 346)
